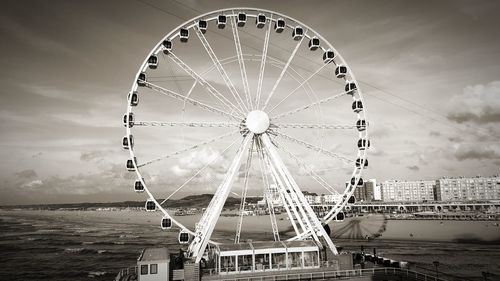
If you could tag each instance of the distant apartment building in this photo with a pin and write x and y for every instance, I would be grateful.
(368, 192)
(408, 191)
(468, 189)
(271, 194)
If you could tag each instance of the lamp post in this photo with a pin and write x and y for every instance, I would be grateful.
(436, 265)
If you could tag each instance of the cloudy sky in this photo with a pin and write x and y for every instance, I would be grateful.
(429, 71)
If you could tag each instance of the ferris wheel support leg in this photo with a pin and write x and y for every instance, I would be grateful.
(267, 193)
(310, 217)
(287, 201)
(294, 201)
(206, 225)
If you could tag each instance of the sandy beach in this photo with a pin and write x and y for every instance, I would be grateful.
(259, 226)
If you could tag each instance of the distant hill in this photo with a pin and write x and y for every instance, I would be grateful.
(191, 201)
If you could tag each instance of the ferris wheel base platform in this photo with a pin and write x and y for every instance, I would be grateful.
(155, 264)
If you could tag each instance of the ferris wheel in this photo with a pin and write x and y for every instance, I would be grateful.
(240, 101)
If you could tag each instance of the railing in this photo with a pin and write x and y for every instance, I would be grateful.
(340, 274)
(266, 267)
(126, 272)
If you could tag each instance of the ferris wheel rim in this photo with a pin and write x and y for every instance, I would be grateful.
(174, 33)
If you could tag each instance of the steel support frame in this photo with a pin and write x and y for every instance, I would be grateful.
(206, 225)
(308, 215)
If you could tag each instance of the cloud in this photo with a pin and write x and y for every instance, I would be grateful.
(477, 152)
(32, 184)
(90, 156)
(478, 104)
(435, 134)
(413, 168)
(197, 160)
(26, 174)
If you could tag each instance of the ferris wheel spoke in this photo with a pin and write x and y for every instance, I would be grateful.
(215, 159)
(208, 87)
(314, 126)
(241, 62)
(192, 101)
(221, 70)
(185, 124)
(263, 64)
(196, 146)
(315, 148)
(282, 73)
(299, 109)
(298, 87)
(310, 171)
(244, 193)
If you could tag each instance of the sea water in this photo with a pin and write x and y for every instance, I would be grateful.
(52, 248)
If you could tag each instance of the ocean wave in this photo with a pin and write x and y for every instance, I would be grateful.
(31, 238)
(128, 236)
(73, 250)
(79, 250)
(87, 243)
(101, 251)
(118, 242)
(93, 274)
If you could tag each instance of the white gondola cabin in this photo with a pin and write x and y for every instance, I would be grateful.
(359, 183)
(130, 164)
(153, 62)
(167, 47)
(184, 35)
(360, 163)
(128, 141)
(341, 71)
(328, 56)
(138, 186)
(363, 144)
(340, 217)
(350, 87)
(297, 33)
(183, 237)
(150, 205)
(133, 98)
(314, 43)
(166, 223)
(279, 25)
(260, 21)
(221, 21)
(202, 26)
(241, 20)
(357, 106)
(141, 80)
(128, 120)
(361, 125)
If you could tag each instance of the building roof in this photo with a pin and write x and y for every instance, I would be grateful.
(154, 254)
(265, 245)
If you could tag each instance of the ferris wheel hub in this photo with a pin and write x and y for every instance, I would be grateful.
(257, 121)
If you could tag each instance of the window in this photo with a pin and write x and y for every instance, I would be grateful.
(261, 261)
(144, 269)
(245, 262)
(278, 260)
(228, 263)
(153, 269)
